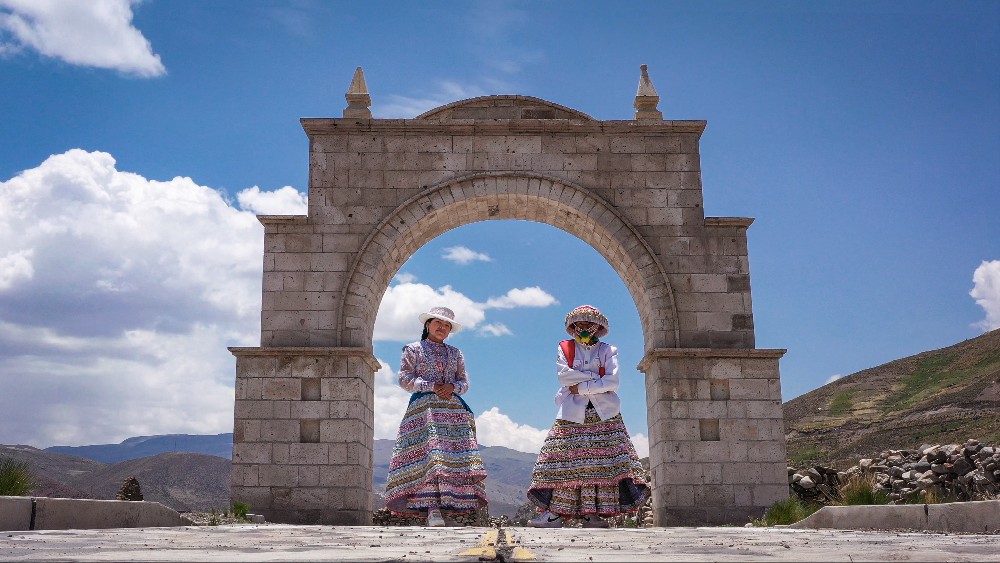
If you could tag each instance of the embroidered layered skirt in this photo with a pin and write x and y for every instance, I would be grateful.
(436, 461)
(588, 468)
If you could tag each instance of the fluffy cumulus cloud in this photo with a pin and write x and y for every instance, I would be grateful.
(283, 201)
(390, 401)
(120, 294)
(405, 300)
(463, 255)
(986, 293)
(641, 443)
(118, 297)
(95, 33)
(527, 297)
(493, 428)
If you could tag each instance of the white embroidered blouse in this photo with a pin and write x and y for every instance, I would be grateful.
(585, 373)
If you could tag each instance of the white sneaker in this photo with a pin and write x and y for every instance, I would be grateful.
(594, 521)
(546, 520)
(434, 519)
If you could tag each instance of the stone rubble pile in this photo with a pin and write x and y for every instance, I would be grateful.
(969, 471)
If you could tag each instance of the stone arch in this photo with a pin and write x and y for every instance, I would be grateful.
(495, 196)
(379, 189)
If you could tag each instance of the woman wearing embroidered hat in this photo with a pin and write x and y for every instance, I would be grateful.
(435, 463)
(588, 467)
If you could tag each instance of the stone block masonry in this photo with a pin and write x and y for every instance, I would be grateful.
(380, 189)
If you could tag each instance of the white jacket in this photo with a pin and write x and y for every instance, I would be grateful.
(592, 387)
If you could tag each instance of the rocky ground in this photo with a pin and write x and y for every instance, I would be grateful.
(209, 519)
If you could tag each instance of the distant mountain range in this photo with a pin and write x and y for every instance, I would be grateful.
(938, 397)
(220, 445)
(191, 472)
(186, 482)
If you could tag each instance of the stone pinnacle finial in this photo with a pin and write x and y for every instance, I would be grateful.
(646, 99)
(358, 100)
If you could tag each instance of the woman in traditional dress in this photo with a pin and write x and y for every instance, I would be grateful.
(588, 467)
(435, 463)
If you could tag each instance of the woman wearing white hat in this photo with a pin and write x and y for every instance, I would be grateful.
(435, 463)
(588, 466)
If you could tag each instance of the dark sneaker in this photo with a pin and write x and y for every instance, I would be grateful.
(594, 521)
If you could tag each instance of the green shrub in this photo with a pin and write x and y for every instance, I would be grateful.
(241, 509)
(16, 478)
(804, 455)
(862, 490)
(787, 511)
(842, 403)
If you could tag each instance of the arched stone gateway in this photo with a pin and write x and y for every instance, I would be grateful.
(379, 189)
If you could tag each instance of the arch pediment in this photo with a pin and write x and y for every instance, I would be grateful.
(504, 107)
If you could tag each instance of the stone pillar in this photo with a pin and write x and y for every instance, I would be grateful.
(716, 434)
(303, 434)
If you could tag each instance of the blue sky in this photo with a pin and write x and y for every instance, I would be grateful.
(138, 140)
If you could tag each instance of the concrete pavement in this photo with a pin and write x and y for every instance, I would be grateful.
(282, 542)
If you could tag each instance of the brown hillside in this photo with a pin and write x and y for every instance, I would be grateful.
(182, 481)
(53, 472)
(937, 397)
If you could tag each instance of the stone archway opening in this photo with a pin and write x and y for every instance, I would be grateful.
(380, 189)
(521, 256)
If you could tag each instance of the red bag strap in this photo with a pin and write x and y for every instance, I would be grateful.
(569, 350)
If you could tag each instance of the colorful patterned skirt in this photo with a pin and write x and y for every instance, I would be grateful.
(588, 468)
(436, 461)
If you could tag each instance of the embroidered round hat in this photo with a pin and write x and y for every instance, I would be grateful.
(443, 313)
(590, 314)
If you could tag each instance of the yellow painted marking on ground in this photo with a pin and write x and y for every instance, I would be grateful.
(499, 540)
(487, 547)
(517, 552)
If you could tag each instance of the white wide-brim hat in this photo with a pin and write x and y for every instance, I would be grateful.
(591, 314)
(443, 313)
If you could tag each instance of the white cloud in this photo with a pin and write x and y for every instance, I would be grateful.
(527, 297)
(16, 267)
(283, 201)
(119, 295)
(494, 428)
(641, 443)
(94, 33)
(118, 298)
(463, 255)
(987, 293)
(402, 304)
(408, 107)
(404, 277)
(495, 329)
(832, 378)
(390, 402)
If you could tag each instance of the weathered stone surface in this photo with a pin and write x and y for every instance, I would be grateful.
(380, 189)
